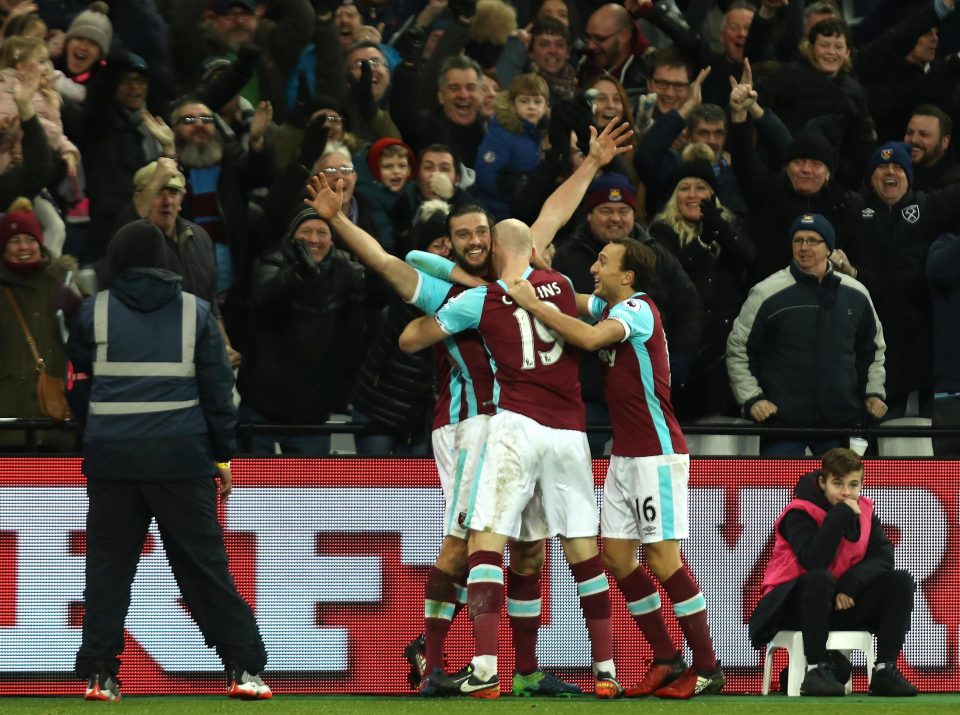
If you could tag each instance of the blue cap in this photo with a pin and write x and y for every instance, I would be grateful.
(816, 223)
(893, 153)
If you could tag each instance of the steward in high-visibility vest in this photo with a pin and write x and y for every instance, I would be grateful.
(159, 427)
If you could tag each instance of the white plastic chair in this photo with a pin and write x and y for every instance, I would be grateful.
(905, 446)
(792, 641)
(703, 445)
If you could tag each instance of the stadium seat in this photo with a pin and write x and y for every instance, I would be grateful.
(792, 641)
(702, 445)
(905, 446)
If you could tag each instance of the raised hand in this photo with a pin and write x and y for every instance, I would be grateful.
(322, 199)
(610, 142)
(261, 120)
(25, 86)
(158, 130)
(696, 88)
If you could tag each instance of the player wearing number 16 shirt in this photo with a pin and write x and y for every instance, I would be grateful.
(645, 491)
(535, 472)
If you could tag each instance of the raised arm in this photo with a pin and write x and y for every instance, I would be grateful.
(327, 202)
(564, 201)
(572, 330)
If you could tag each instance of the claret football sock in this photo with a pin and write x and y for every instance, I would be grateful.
(523, 609)
(485, 599)
(594, 595)
(643, 602)
(691, 611)
(439, 609)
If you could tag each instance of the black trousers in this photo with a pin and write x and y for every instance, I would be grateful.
(883, 608)
(118, 518)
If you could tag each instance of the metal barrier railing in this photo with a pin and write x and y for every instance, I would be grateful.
(32, 426)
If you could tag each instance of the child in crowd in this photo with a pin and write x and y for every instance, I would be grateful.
(511, 146)
(391, 164)
(832, 569)
(20, 56)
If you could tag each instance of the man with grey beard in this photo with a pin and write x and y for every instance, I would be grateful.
(219, 173)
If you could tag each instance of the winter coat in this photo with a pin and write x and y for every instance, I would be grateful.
(396, 389)
(510, 145)
(814, 349)
(799, 93)
(146, 316)
(303, 343)
(47, 108)
(40, 297)
(943, 272)
(717, 264)
(889, 249)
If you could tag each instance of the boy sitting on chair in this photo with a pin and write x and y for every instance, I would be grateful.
(832, 569)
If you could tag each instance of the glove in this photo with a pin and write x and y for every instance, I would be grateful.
(711, 218)
(510, 182)
(304, 265)
(361, 92)
(247, 58)
(313, 143)
(463, 8)
(410, 44)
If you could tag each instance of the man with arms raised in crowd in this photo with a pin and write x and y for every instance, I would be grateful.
(645, 492)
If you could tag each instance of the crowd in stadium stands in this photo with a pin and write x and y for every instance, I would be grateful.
(786, 156)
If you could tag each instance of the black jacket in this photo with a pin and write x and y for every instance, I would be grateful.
(395, 388)
(889, 249)
(943, 272)
(304, 337)
(816, 547)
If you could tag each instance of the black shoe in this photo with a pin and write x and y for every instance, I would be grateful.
(416, 655)
(889, 682)
(464, 682)
(820, 682)
(840, 665)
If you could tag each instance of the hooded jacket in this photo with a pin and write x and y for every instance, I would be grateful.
(161, 393)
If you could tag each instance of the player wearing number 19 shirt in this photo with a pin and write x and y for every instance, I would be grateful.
(535, 471)
(645, 491)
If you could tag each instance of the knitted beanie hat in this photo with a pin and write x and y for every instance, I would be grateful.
(94, 25)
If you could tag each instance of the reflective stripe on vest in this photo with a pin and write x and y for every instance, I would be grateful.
(185, 368)
(104, 367)
(135, 408)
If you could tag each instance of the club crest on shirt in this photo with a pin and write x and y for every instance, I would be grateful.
(489, 157)
(911, 213)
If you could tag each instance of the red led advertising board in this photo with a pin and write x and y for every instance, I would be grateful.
(332, 555)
